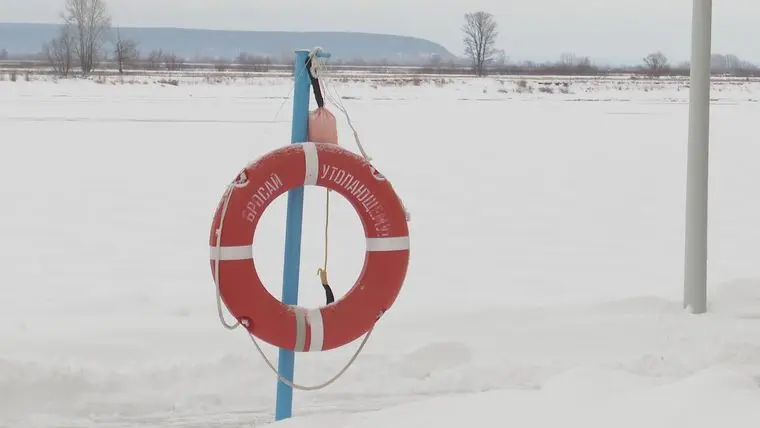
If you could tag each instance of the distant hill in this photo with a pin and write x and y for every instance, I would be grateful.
(22, 39)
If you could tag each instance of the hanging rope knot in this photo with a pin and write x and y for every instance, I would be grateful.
(317, 62)
(316, 51)
(323, 276)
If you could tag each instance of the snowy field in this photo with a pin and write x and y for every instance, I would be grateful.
(546, 267)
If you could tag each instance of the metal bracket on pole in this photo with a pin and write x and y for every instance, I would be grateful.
(293, 229)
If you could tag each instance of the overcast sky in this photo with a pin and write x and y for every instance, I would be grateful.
(611, 30)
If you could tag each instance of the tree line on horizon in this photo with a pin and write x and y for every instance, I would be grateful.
(480, 32)
(83, 43)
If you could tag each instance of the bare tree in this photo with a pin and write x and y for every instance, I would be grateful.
(155, 59)
(733, 62)
(60, 52)
(124, 52)
(90, 22)
(247, 59)
(3, 54)
(479, 38)
(248, 62)
(656, 62)
(173, 62)
(568, 59)
(571, 63)
(572, 60)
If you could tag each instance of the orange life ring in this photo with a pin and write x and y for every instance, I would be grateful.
(386, 260)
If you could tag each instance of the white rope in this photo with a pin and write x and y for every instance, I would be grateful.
(217, 255)
(323, 384)
(242, 181)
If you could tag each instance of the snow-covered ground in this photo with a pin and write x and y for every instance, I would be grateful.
(545, 280)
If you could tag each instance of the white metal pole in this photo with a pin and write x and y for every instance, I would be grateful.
(695, 261)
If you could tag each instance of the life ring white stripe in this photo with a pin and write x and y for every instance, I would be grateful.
(399, 243)
(300, 330)
(314, 319)
(312, 164)
(243, 252)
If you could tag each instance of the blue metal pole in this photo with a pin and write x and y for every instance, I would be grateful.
(293, 228)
